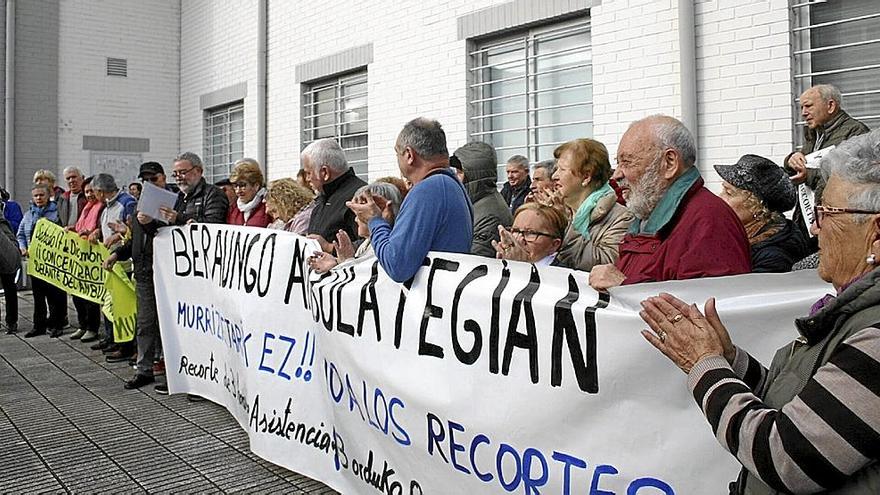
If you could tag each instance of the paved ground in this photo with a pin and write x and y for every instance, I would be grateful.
(67, 426)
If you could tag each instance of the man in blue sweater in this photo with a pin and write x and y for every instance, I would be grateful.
(436, 215)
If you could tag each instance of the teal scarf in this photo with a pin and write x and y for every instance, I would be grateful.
(581, 220)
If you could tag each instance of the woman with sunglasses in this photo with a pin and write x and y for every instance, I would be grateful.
(759, 192)
(247, 181)
(535, 237)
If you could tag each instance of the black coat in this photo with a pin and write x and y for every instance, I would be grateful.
(206, 203)
(780, 251)
(330, 213)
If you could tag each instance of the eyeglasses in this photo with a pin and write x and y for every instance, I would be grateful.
(239, 185)
(530, 235)
(151, 178)
(181, 173)
(820, 211)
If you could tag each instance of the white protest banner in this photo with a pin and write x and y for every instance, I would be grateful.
(481, 377)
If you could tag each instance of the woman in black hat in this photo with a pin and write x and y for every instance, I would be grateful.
(759, 192)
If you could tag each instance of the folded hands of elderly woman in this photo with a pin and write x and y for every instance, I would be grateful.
(682, 333)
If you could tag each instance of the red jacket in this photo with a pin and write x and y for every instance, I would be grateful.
(258, 217)
(692, 233)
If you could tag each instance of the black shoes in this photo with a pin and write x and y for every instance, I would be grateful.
(161, 388)
(55, 333)
(118, 357)
(139, 381)
(12, 329)
(35, 332)
(100, 346)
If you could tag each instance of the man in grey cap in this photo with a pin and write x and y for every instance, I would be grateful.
(759, 193)
(478, 163)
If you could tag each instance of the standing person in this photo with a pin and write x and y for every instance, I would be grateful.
(47, 177)
(226, 185)
(436, 214)
(249, 185)
(681, 230)
(48, 313)
(335, 182)
(11, 210)
(518, 182)
(827, 124)
(598, 223)
(478, 163)
(75, 199)
(536, 233)
(139, 249)
(198, 202)
(759, 193)
(542, 178)
(10, 263)
(119, 208)
(69, 212)
(88, 313)
(135, 189)
(290, 205)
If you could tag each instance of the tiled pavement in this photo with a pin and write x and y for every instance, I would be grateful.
(67, 426)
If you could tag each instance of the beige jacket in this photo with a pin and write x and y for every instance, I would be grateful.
(609, 222)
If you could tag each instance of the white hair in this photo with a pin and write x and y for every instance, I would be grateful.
(72, 169)
(857, 161)
(669, 132)
(828, 92)
(326, 152)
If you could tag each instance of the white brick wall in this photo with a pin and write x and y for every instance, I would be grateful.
(419, 68)
(142, 105)
(743, 81)
(218, 49)
(636, 65)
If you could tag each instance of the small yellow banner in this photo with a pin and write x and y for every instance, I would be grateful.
(66, 260)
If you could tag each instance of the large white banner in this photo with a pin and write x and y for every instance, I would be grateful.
(482, 377)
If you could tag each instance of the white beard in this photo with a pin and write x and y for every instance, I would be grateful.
(646, 193)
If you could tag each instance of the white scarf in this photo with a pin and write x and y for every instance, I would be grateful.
(248, 208)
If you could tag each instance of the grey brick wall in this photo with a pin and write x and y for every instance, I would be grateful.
(36, 87)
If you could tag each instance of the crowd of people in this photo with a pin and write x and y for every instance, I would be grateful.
(650, 219)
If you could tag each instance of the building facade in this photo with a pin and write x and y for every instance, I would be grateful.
(263, 78)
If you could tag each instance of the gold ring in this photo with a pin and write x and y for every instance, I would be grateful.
(677, 318)
(662, 336)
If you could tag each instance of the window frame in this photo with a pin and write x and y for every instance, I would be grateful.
(530, 37)
(802, 51)
(338, 82)
(208, 147)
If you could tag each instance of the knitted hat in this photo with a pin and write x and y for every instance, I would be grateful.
(764, 179)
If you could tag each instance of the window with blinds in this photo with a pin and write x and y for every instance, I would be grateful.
(532, 91)
(224, 140)
(337, 108)
(838, 42)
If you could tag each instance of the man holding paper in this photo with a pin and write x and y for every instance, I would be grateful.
(827, 125)
(139, 248)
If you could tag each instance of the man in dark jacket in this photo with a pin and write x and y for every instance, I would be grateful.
(198, 202)
(478, 161)
(518, 182)
(335, 182)
(139, 248)
(826, 125)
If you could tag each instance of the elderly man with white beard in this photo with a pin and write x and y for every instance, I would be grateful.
(681, 230)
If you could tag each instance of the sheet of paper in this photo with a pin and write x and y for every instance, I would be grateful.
(154, 197)
(815, 157)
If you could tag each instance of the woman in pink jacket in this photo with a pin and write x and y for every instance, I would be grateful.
(88, 313)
